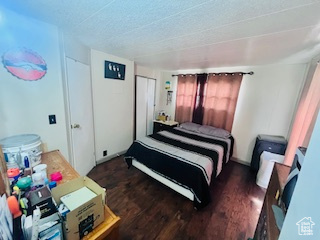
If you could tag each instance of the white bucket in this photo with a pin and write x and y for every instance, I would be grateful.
(17, 147)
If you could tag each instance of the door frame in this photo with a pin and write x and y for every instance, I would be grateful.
(65, 87)
(135, 102)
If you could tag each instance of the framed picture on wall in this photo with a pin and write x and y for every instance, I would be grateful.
(114, 70)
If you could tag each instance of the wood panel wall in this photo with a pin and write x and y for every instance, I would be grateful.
(4, 181)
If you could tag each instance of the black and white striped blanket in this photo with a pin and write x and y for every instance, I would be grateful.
(184, 157)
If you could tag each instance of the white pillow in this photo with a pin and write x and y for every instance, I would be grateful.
(194, 127)
(212, 131)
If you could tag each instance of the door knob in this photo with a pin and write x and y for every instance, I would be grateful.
(76, 125)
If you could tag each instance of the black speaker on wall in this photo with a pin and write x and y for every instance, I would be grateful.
(114, 70)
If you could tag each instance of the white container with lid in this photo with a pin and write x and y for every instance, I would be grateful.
(41, 168)
(267, 160)
(16, 148)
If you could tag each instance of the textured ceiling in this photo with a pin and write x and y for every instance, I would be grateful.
(184, 34)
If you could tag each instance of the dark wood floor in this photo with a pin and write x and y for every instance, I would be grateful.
(150, 210)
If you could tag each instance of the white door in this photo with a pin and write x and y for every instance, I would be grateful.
(150, 105)
(81, 116)
(141, 106)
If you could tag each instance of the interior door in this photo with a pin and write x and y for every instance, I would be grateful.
(141, 106)
(81, 116)
(150, 105)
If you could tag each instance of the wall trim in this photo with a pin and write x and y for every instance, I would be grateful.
(240, 161)
(137, 75)
(107, 158)
(65, 87)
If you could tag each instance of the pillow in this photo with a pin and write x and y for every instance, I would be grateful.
(194, 127)
(212, 131)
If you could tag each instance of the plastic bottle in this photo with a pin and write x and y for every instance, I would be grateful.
(26, 162)
(27, 170)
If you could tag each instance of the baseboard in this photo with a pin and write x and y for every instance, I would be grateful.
(107, 158)
(240, 161)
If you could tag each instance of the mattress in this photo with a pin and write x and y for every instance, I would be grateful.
(187, 159)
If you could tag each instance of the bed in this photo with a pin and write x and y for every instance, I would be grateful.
(185, 158)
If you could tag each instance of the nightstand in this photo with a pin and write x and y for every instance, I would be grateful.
(161, 125)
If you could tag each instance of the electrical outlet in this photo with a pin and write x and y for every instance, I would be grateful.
(105, 153)
(52, 119)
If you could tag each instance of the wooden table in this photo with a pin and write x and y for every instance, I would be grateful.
(109, 229)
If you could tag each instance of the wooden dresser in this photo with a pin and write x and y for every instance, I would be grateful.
(266, 227)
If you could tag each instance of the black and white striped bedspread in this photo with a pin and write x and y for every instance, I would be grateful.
(186, 158)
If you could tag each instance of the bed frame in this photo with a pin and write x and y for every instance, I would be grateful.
(183, 191)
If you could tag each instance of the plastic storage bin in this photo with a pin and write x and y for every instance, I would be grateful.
(272, 144)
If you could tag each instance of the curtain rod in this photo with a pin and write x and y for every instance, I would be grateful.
(243, 73)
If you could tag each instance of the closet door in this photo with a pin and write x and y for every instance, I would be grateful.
(141, 106)
(150, 105)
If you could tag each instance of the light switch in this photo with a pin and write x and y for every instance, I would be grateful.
(52, 119)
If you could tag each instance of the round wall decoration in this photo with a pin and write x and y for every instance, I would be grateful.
(24, 64)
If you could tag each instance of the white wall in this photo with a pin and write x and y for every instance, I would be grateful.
(76, 50)
(266, 103)
(112, 106)
(169, 108)
(146, 72)
(306, 196)
(25, 105)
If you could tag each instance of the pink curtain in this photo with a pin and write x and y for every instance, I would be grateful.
(186, 90)
(307, 112)
(221, 100)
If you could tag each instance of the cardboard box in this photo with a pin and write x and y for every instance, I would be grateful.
(41, 198)
(50, 227)
(89, 215)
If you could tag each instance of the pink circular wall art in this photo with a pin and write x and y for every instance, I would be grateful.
(24, 64)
